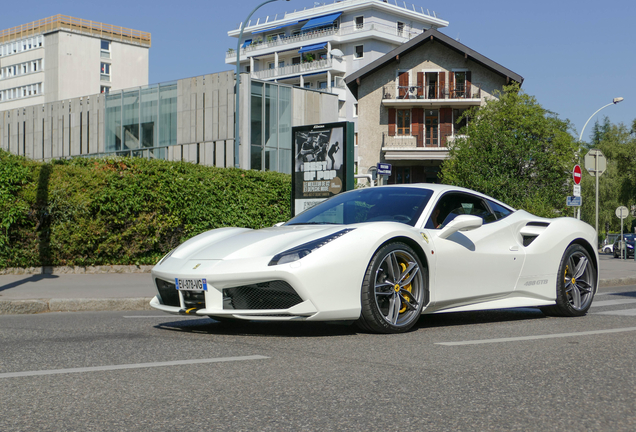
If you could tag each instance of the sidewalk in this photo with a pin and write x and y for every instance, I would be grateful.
(35, 293)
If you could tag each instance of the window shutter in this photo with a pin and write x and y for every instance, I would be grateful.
(403, 82)
(442, 85)
(391, 121)
(446, 124)
(468, 89)
(420, 84)
(451, 84)
(418, 126)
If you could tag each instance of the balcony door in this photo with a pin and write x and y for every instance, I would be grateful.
(431, 130)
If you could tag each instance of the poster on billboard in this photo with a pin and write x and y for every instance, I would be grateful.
(322, 166)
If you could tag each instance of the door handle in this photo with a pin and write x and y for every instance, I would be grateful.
(514, 248)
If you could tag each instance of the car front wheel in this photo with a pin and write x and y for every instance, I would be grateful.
(576, 283)
(394, 290)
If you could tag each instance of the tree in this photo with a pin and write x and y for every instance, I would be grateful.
(516, 151)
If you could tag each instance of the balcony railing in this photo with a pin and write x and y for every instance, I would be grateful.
(414, 141)
(311, 35)
(298, 69)
(432, 92)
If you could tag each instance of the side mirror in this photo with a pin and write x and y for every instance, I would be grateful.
(461, 223)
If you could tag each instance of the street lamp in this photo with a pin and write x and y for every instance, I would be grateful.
(614, 102)
(237, 114)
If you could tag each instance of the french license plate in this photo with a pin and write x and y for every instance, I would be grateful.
(191, 284)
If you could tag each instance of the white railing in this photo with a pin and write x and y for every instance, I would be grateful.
(338, 5)
(294, 69)
(405, 34)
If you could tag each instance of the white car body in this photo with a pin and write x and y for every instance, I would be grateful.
(484, 267)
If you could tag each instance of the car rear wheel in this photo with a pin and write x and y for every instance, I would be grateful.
(576, 283)
(394, 290)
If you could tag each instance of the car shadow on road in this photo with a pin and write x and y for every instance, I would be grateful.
(260, 328)
(31, 279)
(321, 329)
(478, 317)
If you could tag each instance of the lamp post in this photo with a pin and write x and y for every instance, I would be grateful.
(237, 114)
(614, 102)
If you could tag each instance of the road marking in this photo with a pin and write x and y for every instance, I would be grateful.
(152, 316)
(612, 302)
(129, 366)
(624, 312)
(525, 338)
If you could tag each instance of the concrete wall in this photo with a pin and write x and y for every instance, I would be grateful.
(205, 122)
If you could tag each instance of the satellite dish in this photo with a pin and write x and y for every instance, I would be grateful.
(337, 53)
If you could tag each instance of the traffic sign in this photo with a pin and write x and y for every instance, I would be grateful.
(576, 174)
(576, 190)
(573, 201)
(384, 169)
(595, 162)
(622, 212)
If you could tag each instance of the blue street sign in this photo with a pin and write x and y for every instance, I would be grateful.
(384, 169)
(574, 201)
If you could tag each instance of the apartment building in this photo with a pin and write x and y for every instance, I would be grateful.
(63, 57)
(412, 99)
(316, 48)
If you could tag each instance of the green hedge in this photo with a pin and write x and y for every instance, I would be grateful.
(83, 212)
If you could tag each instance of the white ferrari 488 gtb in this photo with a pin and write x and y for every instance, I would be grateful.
(382, 257)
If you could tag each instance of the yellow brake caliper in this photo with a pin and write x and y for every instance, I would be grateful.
(409, 287)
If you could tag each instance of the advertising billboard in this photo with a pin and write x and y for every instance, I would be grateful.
(322, 164)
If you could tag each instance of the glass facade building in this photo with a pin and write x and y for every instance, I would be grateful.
(270, 126)
(142, 121)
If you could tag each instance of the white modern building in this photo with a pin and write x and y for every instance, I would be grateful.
(316, 48)
(62, 57)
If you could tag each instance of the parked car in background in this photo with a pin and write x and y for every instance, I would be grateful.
(608, 248)
(628, 241)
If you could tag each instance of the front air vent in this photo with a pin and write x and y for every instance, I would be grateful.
(531, 231)
(264, 295)
(168, 293)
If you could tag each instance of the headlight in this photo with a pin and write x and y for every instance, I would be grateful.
(167, 255)
(298, 252)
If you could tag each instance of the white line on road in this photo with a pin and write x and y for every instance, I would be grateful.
(620, 312)
(154, 316)
(612, 302)
(525, 338)
(129, 366)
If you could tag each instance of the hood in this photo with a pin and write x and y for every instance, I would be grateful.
(240, 243)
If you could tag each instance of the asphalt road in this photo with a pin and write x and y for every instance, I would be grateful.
(504, 370)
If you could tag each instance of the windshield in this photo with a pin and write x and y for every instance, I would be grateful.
(629, 237)
(379, 204)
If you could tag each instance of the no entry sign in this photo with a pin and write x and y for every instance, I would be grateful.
(576, 174)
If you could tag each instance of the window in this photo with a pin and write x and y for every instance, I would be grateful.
(105, 49)
(34, 66)
(307, 85)
(105, 72)
(359, 51)
(24, 68)
(270, 65)
(400, 28)
(452, 205)
(460, 85)
(322, 84)
(355, 110)
(296, 60)
(403, 122)
(104, 89)
(359, 22)
(281, 64)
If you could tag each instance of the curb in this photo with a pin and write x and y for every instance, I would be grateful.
(122, 269)
(14, 307)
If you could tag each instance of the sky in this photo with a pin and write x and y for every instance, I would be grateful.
(574, 56)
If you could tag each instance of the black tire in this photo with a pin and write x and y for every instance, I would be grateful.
(395, 274)
(576, 284)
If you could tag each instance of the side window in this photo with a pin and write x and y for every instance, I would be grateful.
(454, 204)
(500, 212)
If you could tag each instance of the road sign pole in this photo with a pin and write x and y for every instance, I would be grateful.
(596, 178)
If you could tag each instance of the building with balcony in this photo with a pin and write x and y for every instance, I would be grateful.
(316, 48)
(62, 57)
(410, 103)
